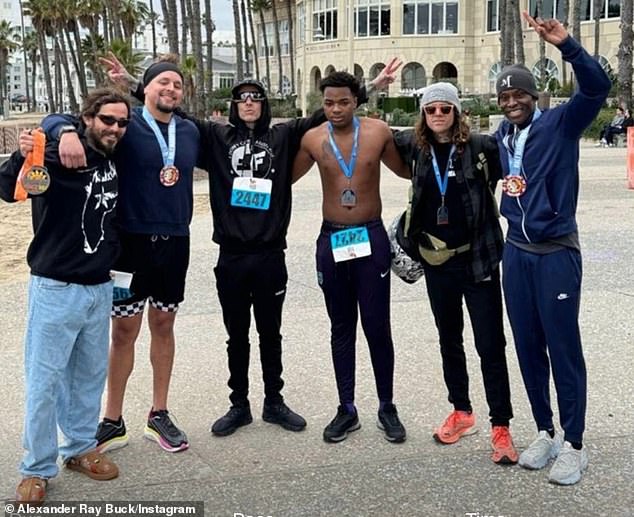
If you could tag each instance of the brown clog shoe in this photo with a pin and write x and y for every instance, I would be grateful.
(95, 465)
(31, 490)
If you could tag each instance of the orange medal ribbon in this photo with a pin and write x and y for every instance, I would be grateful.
(35, 158)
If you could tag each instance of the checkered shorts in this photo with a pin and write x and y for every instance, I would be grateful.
(134, 308)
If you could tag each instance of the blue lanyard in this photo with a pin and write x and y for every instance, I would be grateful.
(347, 168)
(515, 158)
(168, 149)
(442, 182)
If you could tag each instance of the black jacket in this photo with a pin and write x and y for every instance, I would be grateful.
(476, 191)
(73, 221)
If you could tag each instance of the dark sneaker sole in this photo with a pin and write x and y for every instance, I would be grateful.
(392, 439)
(152, 435)
(118, 442)
(342, 437)
(231, 430)
(285, 425)
(505, 460)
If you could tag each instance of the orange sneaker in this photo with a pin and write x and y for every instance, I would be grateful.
(504, 452)
(457, 425)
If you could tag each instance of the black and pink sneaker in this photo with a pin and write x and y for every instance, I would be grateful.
(162, 430)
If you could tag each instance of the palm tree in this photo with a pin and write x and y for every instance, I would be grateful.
(8, 44)
(625, 55)
(197, 50)
(576, 20)
(170, 20)
(38, 10)
(517, 29)
(564, 64)
(184, 28)
(30, 47)
(291, 41)
(93, 46)
(133, 14)
(243, 16)
(236, 26)
(24, 56)
(188, 67)
(278, 47)
(88, 15)
(129, 59)
(597, 26)
(253, 40)
(260, 6)
(210, 27)
(542, 50)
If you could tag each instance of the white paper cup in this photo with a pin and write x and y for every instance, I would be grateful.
(121, 279)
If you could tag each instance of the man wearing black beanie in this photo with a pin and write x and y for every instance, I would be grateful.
(539, 152)
(155, 160)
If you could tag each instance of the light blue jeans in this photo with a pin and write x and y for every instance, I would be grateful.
(65, 363)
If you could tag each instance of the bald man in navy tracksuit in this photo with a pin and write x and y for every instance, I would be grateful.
(542, 259)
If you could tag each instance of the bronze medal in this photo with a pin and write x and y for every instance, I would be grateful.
(36, 180)
(169, 175)
(514, 185)
(348, 198)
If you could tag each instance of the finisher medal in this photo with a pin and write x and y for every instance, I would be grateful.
(514, 185)
(348, 198)
(169, 175)
(36, 180)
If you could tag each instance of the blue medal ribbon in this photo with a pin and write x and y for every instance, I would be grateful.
(168, 149)
(346, 168)
(440, 181)
(516, 156)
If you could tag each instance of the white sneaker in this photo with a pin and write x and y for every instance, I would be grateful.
(541, 451)
(568, 466)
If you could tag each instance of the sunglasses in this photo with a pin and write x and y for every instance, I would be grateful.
(445, 110)
(109, 120)
(254, 96)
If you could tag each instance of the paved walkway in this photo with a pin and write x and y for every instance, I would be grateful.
(264, 470)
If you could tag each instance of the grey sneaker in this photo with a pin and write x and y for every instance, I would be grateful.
(541, 451)
(568, 466)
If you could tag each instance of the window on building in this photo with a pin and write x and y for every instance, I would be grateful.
(371, 18)
(301, 24)
(270, 41)
(550, 9)
(225, 80)
(287, 87)
(607, 9)
(284, 39)
(550, 79)
(325, 18)
(605, 64)
(430, 17)
(494, 71)
(493, 19)
(413, 77)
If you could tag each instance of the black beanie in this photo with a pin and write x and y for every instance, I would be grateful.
(516, 77)
(158, 68)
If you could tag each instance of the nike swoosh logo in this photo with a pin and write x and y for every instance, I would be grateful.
(383, 275)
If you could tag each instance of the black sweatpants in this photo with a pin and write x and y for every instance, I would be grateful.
(446, 287)
(363, 283)
(259, 280)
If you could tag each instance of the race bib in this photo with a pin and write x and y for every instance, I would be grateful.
(251, 193)
(350, 244)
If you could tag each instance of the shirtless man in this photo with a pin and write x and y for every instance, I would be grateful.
(353, 251)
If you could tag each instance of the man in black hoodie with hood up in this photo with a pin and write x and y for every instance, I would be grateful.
(250, 165)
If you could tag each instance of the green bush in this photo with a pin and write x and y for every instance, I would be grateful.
(406, 104)
(399, 117)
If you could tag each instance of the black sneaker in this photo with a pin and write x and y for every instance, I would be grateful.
(111, 435)
(162, 430)
(282, 415)
(389, 423)
(237, 416)
(337, 430)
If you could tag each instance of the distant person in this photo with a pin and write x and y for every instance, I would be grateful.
(74, 247)
(541, 277)
(353, 250)
(615, 127)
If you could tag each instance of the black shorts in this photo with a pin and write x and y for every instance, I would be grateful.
(159, 264)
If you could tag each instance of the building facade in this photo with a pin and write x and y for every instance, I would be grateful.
(455, 40)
